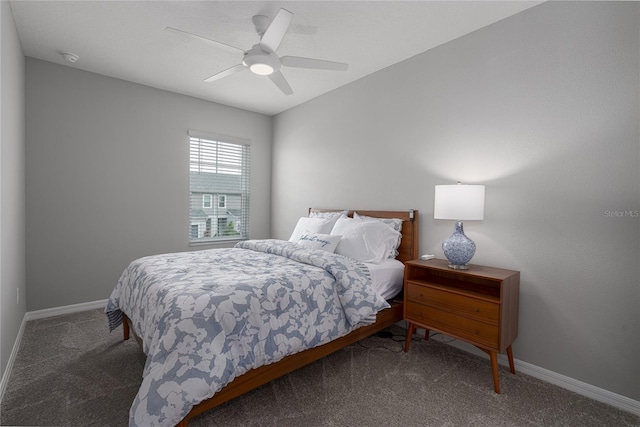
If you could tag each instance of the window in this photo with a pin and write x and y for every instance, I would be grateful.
(218, 171)
(207, 201)
(194, 231)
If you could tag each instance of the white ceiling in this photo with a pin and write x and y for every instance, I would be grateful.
(127, 40)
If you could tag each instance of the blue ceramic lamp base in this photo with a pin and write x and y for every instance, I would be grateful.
(458, 248)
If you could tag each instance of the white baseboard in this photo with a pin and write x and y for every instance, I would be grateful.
(7, 372)
(584, 389)
(67, 309)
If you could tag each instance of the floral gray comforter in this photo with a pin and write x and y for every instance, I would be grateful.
(206, 317)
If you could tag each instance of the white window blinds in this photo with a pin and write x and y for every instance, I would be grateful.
(218, 168)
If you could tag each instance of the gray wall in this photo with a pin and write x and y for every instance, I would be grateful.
(543, 109)
(108, 177)
(12, 186)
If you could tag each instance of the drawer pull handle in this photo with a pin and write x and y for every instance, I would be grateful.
(477, 310)
(477, 332)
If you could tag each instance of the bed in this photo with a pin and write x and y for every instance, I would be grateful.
(176, 333)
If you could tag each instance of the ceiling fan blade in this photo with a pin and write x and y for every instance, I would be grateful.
(275, 33)
(192, 36)
(281, 82)
(318, 64)
(226, 73)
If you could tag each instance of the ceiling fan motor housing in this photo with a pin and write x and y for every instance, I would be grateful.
(261, 62)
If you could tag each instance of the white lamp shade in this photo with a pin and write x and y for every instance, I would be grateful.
(460, 202)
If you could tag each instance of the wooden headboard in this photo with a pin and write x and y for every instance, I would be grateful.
(408, 249)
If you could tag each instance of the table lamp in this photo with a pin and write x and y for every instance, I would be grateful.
(459, 202)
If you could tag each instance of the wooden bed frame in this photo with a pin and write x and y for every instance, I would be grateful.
(254, 378)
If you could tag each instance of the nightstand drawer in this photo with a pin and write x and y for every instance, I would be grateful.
(449, 323)
(463, 305)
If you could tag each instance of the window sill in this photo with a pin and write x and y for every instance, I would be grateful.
(217, 242)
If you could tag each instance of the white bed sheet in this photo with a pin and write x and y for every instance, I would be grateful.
(387, 277)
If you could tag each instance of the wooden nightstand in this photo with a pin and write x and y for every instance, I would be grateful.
(478, 305)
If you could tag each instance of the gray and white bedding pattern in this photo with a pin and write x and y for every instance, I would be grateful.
(206, 317)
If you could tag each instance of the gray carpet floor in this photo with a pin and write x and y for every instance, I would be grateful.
(70, 371)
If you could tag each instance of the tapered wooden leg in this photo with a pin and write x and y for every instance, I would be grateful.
(512, 367)
(494, 368)
(125, 327)
(426, 334)
(410, 332)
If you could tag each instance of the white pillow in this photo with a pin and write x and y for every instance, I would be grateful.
(366, 241)
(317, 214)
(312, 225)
(326, 242)
(395, 223)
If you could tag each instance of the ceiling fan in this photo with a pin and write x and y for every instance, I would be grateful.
(262, 59)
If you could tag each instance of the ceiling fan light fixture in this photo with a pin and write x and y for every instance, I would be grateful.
(261, 69)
